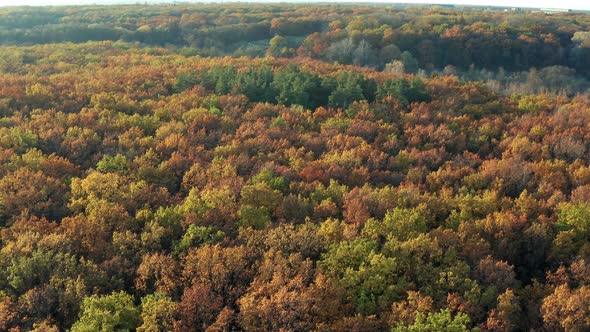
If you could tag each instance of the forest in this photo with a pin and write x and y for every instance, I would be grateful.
(280, 167)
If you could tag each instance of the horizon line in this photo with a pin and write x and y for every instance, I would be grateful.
(459, 4)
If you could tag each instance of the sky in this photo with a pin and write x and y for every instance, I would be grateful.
(565, 4)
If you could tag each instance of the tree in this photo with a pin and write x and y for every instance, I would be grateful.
(198, 308)
(370, 279)
(363, 54)
(403, 224)
(395, 67)
(296, 86)
(575, 216)
(158, 313)
(257, 84)
(196, 236)
(341, 51)
(254, 217)
(286, 301)
(226, 272)
(26, 190)
(118, 164)
(405, 91)
(220, 79)
(440, 321)
(277, 47)
(404, 312)
(567, 308)
(388, 54)
(347, 87)
(410, 63)
(114, 312)
(157, 273)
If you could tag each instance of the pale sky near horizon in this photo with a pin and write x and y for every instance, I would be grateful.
(567, 4)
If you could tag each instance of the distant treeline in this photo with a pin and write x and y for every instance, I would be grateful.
(143, 190)
(413, 38)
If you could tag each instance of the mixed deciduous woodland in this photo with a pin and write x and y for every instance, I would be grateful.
(294, 168)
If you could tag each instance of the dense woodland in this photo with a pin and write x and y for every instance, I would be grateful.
(294, 168)
(513, 51)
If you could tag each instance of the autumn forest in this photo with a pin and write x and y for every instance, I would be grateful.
(285, 167)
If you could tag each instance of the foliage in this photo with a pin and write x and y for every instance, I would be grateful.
(440, 321)
(340, 171)
(114, 312)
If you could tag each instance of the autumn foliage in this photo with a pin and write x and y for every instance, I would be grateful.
(145, 188)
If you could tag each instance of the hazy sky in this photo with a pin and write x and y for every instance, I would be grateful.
(570, 4)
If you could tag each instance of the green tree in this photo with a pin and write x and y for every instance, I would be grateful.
(256, 84)
(253, 217)
(196, 236)
(346, 88)
(410, 63)
(576, 216)
(402, 224)
(275, 182)
(370, 279)
(441, 321)
(118, 164)
(405, 91)
(277, 46)
(157, 313)
(220, 79)
(296, 86)
(107, 313)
